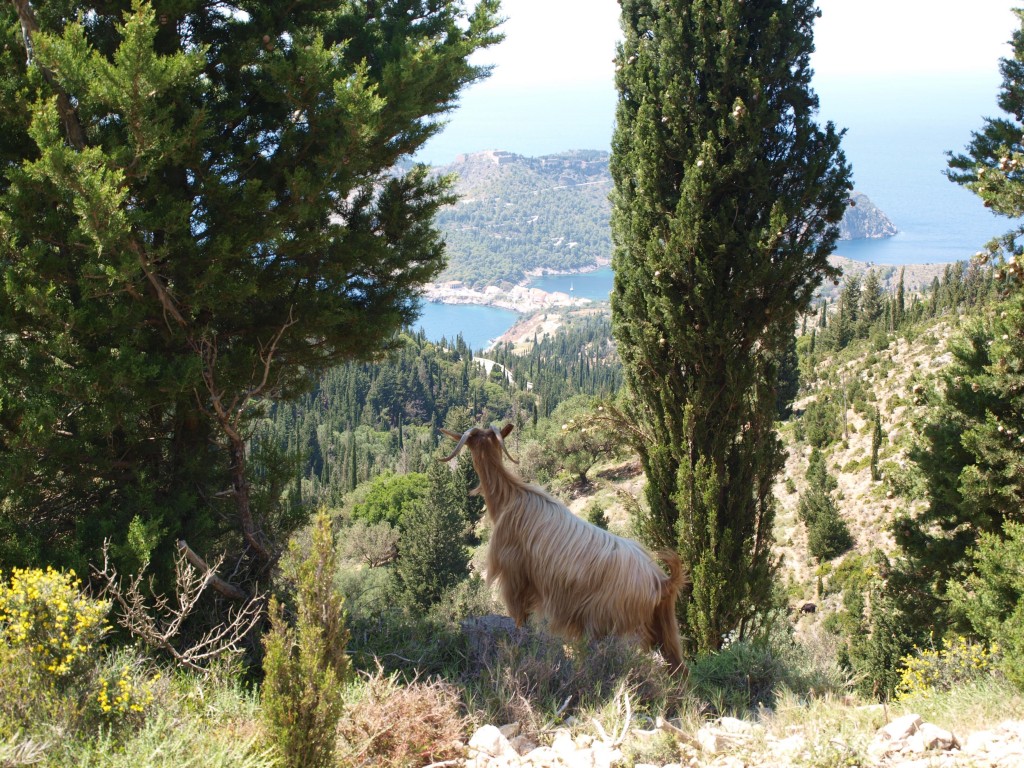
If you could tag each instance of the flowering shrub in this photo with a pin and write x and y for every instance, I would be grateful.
(959, 660)
(123, 691)
(45, 617)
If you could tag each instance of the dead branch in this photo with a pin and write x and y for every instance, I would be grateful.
(220, 585)
(157, 620)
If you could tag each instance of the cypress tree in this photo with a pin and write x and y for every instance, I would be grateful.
(725, 208)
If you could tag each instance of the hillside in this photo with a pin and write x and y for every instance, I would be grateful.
(518, 216)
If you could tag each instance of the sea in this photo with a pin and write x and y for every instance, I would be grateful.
(898, 132)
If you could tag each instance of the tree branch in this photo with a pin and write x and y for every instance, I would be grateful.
(68, 115)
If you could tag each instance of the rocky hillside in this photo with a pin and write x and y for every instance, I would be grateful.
(516, 215)
(863, 219)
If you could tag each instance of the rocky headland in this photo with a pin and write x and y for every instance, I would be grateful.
(863, 220)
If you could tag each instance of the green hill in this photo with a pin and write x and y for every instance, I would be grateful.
(518, 215)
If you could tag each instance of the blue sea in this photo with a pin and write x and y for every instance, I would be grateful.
(897, 135)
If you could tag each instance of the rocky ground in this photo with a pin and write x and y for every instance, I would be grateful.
(905, 742)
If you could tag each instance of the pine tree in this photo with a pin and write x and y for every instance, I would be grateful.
(198, 209)
(726, 200)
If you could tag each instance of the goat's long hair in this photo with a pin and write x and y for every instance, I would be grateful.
(584, 580)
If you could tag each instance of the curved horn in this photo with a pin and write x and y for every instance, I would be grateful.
(462, 442)
(501, 441)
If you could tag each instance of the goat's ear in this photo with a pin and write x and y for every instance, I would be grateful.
(506, 430)
(453, 435)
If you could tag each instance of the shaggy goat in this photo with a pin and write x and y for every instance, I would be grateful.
(584, 580)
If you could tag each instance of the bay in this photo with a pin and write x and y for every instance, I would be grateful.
(594, 285)
(478, 324)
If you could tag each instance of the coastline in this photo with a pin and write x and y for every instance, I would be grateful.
(519, 298)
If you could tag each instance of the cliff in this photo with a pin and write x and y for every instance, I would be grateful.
(863, 219)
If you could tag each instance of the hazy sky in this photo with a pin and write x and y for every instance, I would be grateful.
(562, 42)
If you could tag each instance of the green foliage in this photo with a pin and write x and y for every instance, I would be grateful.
(305, 666)
(750, 674)
(433, 556)
(789, 379)
(876, 443)
(725, 208)
(54, 669)
(821, 420)
(391, 498)
(595, 514)
(526, 213)
(992, 596)
(45, 615)
(200, 211)
(970, 459)
(579, 436)
(875, 652)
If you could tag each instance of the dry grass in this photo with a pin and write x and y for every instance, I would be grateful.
(394, 724)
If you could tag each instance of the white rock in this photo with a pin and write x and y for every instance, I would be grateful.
(789, 746)
(977, 742)
(900, 728)
(490, 741)
(542, 756)
(713, 741)
(605, 756)
(563, 743)
(935, 737)
(735, 726)
(581, 758)
(584, 740)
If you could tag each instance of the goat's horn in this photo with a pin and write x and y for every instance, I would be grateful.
(462, 442)
(501, 440)
(448, 433)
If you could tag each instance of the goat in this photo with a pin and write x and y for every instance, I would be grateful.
(545, 559)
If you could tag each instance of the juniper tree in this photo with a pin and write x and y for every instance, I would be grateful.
(433, 556)
(726, 202)
(199, 207)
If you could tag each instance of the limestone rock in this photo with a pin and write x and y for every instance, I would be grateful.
(864, 220)
(488, 748)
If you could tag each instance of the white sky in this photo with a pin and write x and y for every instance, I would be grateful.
(566, 42)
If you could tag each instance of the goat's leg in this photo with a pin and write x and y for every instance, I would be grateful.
(520, 599)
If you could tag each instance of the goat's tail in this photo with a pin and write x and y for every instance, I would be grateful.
(666, 626)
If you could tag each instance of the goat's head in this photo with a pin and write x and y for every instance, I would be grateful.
(480, 440)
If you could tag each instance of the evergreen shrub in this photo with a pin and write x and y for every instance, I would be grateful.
(305, 666)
